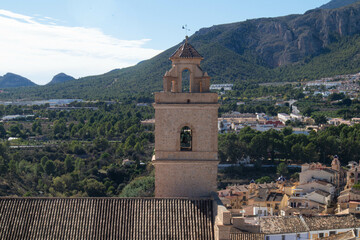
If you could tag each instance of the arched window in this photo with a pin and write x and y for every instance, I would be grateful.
(186, 139)
(185, 76)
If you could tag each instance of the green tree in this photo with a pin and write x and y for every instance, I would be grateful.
(264, 179)
(2, 131)
(69, 163)
(282, 169)
(49, 167)
(101, 144)
(320, 119)
(59, 184)
(94, 188)
(140, 187)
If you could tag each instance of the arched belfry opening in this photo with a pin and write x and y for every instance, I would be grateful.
(185, 80)
(186, 74)
(186, 139)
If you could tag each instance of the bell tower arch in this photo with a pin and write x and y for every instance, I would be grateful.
(186, 132)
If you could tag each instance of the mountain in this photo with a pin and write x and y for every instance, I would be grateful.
(11, 80)
(337, 4)
(319, 43)
(61, 77)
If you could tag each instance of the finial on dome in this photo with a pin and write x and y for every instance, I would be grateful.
(186, 39)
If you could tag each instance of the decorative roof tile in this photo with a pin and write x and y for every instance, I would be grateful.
(105, 218)
(186, 50)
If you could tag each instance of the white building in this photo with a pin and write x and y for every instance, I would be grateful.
(224, 86)
(283, 117)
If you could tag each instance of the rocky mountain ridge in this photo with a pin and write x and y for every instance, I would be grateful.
(319, 43)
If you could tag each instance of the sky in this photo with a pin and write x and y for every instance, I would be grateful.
(41, 38)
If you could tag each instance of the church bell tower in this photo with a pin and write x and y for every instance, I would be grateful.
(186, 134)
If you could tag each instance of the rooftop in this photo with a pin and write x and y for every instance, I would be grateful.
(322, 193)
(186, 50)
(105, 218)
(332, 222)
(265, 195)
(274, 225)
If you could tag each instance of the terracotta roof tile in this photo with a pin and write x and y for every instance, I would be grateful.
(332, 222)
(105, 218)
(186, 50)
(247, 236)
(274, 225)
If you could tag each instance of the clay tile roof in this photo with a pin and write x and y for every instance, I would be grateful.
(322, 192)
(247, 236)
(105, 218)
(322, 182)
(273, 225)
(186, 50)
(332, 222)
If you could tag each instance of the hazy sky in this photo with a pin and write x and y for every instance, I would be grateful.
(40, 38)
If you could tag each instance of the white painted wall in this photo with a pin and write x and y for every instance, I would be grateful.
(309, 175)
(289, 236)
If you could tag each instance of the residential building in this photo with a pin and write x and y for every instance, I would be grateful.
(283, 117)
(296, 227)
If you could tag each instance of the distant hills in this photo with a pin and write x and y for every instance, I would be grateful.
(60, 78)
(319, 43)
(11, 80)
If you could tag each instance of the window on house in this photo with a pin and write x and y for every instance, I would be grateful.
(267, 238)
(259, 212)
(332, 233)
(298, 236)
(356, 232)
(321, 235)
(185, 139)
(282, 237)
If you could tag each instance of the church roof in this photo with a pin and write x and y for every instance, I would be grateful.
(105, 218)
(186, 50)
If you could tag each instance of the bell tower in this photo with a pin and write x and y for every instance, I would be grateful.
(186, 134)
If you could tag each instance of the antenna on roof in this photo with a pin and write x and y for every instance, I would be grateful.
(186, 31)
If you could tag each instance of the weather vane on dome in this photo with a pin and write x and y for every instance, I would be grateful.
(186, 30)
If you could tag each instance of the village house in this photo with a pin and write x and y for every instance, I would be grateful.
(260, 199)
(349, 199)
(296, 227)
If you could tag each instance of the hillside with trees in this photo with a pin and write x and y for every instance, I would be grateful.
(93, 150)
(319, 43)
